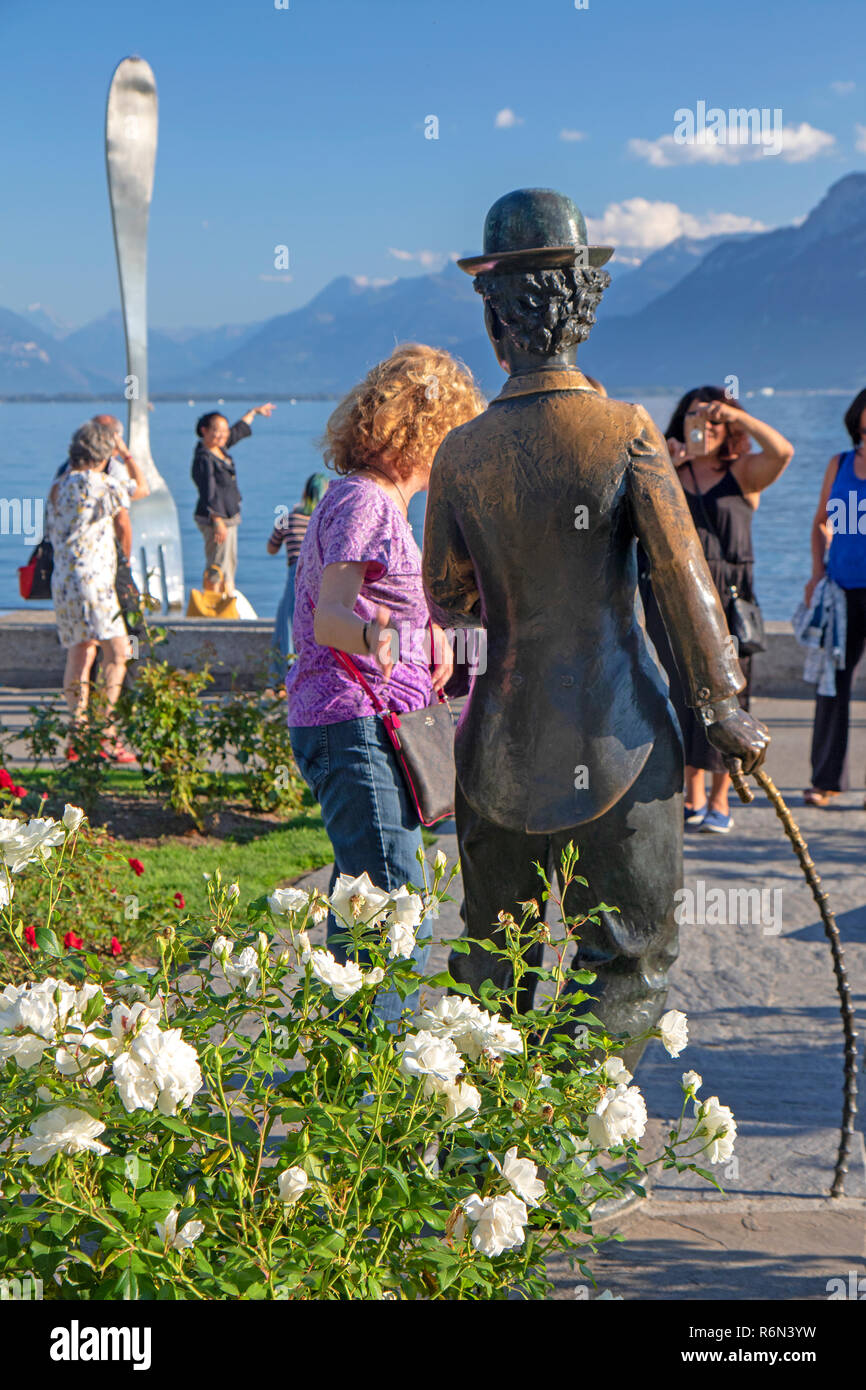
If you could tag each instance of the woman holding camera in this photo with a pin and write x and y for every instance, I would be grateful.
(710, 442)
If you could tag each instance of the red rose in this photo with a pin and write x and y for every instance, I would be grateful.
(5, 780)
(179, 900)
(19, 791)
(136, 866)
(116, 948)
(72, 942)
(30, 937)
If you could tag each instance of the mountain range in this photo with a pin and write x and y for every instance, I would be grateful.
(782, 308)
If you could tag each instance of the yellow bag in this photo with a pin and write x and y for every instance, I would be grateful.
(212, 603)
(204, 603)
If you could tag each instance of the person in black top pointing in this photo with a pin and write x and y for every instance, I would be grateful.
(218, 511)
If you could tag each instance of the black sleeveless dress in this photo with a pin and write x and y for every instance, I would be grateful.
(728, 550)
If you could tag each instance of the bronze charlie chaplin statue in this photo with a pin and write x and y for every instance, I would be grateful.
(533, 517)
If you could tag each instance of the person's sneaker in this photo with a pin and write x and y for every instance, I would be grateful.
(717, 823)
(694, 815)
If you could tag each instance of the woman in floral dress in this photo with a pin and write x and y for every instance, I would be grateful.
(86, 510)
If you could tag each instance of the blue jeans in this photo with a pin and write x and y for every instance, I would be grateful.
(282, 640)
(351, 770)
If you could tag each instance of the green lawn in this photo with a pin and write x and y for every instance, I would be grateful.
(259, 864)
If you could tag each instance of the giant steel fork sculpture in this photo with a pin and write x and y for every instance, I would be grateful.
(130, 154)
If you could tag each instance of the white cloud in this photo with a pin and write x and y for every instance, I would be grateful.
(429, 260)
(572, 135)
(506, 118)
(637, 224)
(860, 143)
(373, 282)
(842, 88)
(802, 142)
(794, 143)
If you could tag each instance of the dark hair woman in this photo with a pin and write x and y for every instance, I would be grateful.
(839, 553)
(218, 510)
(709, 437)
(290, 529)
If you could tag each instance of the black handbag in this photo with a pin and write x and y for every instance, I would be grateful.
(745, 619)
(423, 741)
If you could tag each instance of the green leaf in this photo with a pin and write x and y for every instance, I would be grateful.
(160, 1200)
(47, 942)
(176, 1126)
(121, 1201)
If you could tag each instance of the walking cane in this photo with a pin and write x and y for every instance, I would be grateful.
(801, 849)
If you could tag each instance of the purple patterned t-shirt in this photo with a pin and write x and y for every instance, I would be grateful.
(356, 520)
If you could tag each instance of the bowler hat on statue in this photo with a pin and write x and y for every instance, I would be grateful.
(534, 228)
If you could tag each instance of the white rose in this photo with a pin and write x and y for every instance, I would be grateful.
(499, 1037)
(499, 1222)
(222, 947)
(63, 1130)
(285, 900)
(674, 1031)
(522, 1175)
(344, 980)
(357, 900)
(292, 1184)
(620, 1115)
(460, 1098)
(717, 1127)
(441, 860)
(72, 817)
(233, 891)
(135, 1084)
(159, 1070)
(426, 1055)
(692, 1081)
(244, 970)
(408, 908)
(616, 1071)
(6, 889)
(84, 1054)
(374, 977)
(401, 939)
(176, 1239)
(470, 1028)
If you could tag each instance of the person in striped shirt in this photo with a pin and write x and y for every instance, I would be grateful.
(289, 531)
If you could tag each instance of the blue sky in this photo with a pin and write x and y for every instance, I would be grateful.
(305, 127)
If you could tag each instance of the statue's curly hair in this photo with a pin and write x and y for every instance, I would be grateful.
(401, 411)
(544, 311)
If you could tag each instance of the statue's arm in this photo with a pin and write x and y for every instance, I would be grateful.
(450, 583)
(682, 583)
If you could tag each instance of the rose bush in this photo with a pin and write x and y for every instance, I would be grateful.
(239, 1123)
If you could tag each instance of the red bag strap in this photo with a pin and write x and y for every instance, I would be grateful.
(348, 665)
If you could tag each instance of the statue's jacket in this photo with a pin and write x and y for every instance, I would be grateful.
(534, 512)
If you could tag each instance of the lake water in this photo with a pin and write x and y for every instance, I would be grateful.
(274, 464)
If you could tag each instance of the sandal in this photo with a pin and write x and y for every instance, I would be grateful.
(813, 797)
(118, 754)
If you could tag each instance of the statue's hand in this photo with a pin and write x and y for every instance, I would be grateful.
(741, 739)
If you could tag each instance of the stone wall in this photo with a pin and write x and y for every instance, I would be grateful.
(31, 656)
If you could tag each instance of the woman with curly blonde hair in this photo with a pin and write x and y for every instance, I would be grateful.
(358, 585)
